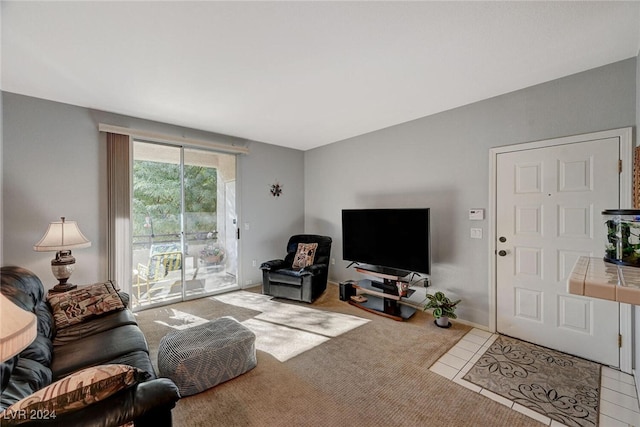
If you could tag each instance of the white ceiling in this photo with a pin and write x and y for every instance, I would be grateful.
(301, 74)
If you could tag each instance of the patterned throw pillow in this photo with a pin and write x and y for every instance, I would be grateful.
(74, 392)
(70, 308)
(304, 255)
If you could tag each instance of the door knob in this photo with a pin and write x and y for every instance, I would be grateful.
(502, 252)
(502, 239)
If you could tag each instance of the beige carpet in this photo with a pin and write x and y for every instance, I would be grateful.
(376, 374)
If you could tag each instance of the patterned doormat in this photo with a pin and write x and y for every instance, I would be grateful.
(564, 388)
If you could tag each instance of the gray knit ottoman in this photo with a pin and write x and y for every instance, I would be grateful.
(204, 356)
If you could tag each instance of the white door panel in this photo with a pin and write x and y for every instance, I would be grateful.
(548, 208)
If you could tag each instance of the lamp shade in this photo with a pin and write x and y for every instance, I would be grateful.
(62, 235)
(18, 328)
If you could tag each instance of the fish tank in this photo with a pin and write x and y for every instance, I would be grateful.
(623, 236)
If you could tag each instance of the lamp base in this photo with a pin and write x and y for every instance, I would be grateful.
(59, 288)
(62, 266)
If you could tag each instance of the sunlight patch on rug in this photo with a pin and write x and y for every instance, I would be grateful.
(180, 320)
(286, 330)
(564, 388)
(282, 342)
(249, 300)
(319, 322)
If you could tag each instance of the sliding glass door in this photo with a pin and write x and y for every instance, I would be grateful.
(210, 222)
(184, 226)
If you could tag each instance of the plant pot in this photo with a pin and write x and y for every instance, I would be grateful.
(443, 322)
(212, 259)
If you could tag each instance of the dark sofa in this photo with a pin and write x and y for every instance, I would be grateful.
(113, 338)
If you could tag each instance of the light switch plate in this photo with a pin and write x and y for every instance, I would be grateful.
(476, 233)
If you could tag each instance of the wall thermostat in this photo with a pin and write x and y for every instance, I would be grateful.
(476, 214)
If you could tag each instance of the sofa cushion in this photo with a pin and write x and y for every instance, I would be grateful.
(5, 372)
(97, 349)
(95, 326)
(75, 392)
(27, 376)
(22, 287)
(39, 350)
(289, 277)
(70, 308)
(305, 254)
(46, 325)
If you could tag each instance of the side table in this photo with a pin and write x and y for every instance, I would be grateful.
(57, 289)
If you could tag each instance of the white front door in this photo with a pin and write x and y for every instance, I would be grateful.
(548, 213)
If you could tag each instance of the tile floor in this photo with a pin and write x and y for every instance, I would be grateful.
(618, 397)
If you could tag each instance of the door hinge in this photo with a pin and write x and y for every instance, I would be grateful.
(238, 233)
(619, 166)
(619, 341)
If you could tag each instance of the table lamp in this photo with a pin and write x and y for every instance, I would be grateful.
(62, 236)
(18, 328)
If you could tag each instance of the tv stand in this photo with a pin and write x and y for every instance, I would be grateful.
(384, 272)
(387, 287)
(383, 297)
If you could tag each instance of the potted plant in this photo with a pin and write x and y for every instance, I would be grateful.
(443, 308)
(212, 255)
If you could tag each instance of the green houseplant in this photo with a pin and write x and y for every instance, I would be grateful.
(443, 308)
(212, 255)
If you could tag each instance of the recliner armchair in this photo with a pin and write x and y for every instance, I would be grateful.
(281, 279)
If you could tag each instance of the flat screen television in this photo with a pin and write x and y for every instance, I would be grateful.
(395, 241)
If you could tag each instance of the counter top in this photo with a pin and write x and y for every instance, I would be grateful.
(594, 277)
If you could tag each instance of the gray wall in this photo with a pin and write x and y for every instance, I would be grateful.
(54, 164)
(271, 220)
(442, 162)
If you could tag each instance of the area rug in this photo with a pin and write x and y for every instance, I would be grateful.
(562, 387)
(286, 330)
(282, 330)
(326, 323)
(282, 342)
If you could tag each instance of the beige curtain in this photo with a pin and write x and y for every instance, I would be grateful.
(119, 205)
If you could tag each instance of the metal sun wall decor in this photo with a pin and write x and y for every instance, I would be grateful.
(276, 189)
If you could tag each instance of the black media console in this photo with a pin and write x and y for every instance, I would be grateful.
(383, 298)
